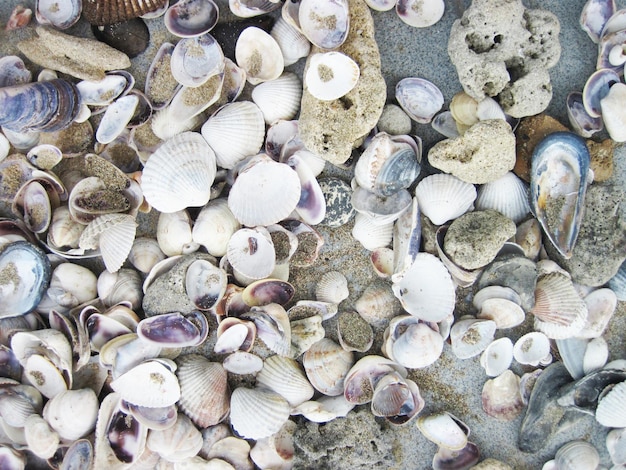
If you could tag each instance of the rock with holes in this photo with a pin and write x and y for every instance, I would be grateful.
(503, 50)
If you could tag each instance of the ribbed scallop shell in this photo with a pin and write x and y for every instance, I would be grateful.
(611, 411)
(285, 377)
(180, 173)
(114, 234)
(204, 392)
(149, 384)
(444, 197)
(257, 413)
(370, 234)
(507, 195)
(331, 75)
(264, 193)
(280, 98)
(332, 287)
(326, 365)
(293, 44)
(103, 12)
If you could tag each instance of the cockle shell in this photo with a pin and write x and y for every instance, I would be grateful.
(113, 234)
(332, 287)
(576, 455)
(396, 398)
(259, 55)
(326, 365)
(278, 99)
(611, 411)
(257, 413)
(285, 377)
(331, 75)
(507, 195)
(180, 173)
(444, 197)
(293, 44)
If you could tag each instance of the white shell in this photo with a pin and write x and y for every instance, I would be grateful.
(426, 290)
(420, 13)
(616, 445)
(614, 113)
(577, 455)
(214, 226)
(601, 305)
(114, 235)
(370, 234)
(596, 355)
(611, 410)
(444, 197)
(507, 195)
(497, 357)
(176, 443)
(174, 233)
(259, 55)
(149, 384)
(285, 377)
(501, 397)
(276, 451)
(180, 173)
(243, 363)
(471, 337)
(330, 75)
(325, 23)
(419, 98)
(279, 98)
(326, 365)
(264, 193)
(41, 439)
(234, 132)
(117, 115)
(444, 430)
(257, 413)
(293, 44)
(251, 252)
(145, 253)
(506, 313)
(332, 287)
(531, 348)
(44, 375)
(194, 60)
(72, 413)
(416, 347)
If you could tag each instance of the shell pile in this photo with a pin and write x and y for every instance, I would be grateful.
(192, 344)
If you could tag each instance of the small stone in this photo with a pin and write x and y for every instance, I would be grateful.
(474, 239)
(514, 271)
(355, 334)
(491, 464)
(601, 159)
(529, 133)
(394, 120)
(483, 154)
(338, 196)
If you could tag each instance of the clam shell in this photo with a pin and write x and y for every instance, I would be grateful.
(257, 413)
(204, 391)
(293, 44)
(506, 313)
(264, 193)
(41, 439)
(214, 226)
(501, 397)
(326, 365)
(196, 59)
(470, 337)
(305, 333)
(596, 88)
(259, 55)
(411, 343)
(145, 253)
(187, 106)
(160, 84)
(278, 99)
(153, 418)
(381, 209)
(243, 363)
(273, 327)
(444, 197)
(615, 446)
(612, 114)
(116, 117)
(497, 357)
(531, 348)
(205, 284)
(419, 98)
(148, 384)
(594, 17)
(122, 286)
(251, 252)
(444, 429)
(330, 75)
(577, 455)
(189, 18)
(420, 13)
(72, 413)
(397, 399)
(174, 330)
(324, 23)
(268, 291)
(251, 8)
(601, 305)
(464, 109)
(312, 206)
(285, 377)
(377, 304)
(507, 195)
(103, 12)
(180, 173)
(174, 234)
(579, 119)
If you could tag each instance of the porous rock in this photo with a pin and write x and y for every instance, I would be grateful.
(483, 154)
(503, 50)
(601, 154)
(332, 128)
(601, 244)
(474, 239)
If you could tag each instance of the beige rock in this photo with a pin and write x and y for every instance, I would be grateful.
(332, 128)
(86, 59)
(601, 158)
(483, 154)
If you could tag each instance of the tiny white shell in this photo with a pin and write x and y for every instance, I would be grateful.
(531, 348)
(331, 75)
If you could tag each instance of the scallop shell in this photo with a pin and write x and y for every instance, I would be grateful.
(114, 235)
(507, 195)
(259, 55)
(330, 75)
(293, 44)
(149, 384)
(370, 234)
(204, 392)
(103, 12)
(531, 348)
(180, 173)
(257, 413)
(611, 411)
(497, 357)
(444, 197)
(285, 377)
(470, 337)
(264, 193)
(278, 99)
(326, 365)
(332, 287)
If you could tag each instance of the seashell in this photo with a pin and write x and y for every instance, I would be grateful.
(91, 197)
(161, 86)
(324, 23)
(507, 195)
(612, 114)
(285, 243)
(41, 439)
(78, 455)
(531, 348)
(145, 253)
(285, 377)
(123, 285)
(243, 363)
(464, 109)
(353, 332)
(214, 226)
(13, 71)
(251, 252)
(497, 357)
(330, 75)
(426, 290)
(180, 173)
(72, 413)
(116, 117)
(234, 334)
(601, 305)
(572, 352)
(419, 98)
(204, 392)
(444, 429)
(560, 164)
(580, 120)
(466, 457)
(33, 205)
(39, 106)
(305, 332)
(293, 44)
(10, 457)
(290, 13)
(173, 330)
(576, 455)
(470, 337)
(268, 291)
(103, 12)
(312, 206)
(44, 156)
(178, 442)
(273, 327)
(615, 446)
(324, 409)
(259, 55)
(594, 17)
(382, 260)
(381, 210)
(25, 274)
(488, 108)
(196, 59)
(445, 124)
(17, 405)
(326, 365)
(332, 287)
(370, 234)
(113, 234)
(190, 18)
(501, 397)
(528, 236)
(610, 411)
(420, 14)
(596, 355)
(250, 8)
(152, 418)
(149, 384)
(444, 197)
(412, 343)
(596, 88)
(396, 399)
(406, 240)
(276, 451)
(506, 313)
(278, 99)
(377, 304)
(233, 450)
(559, 311)
(205, 284)
(271, 201)
(174, 235)
(257, 413)
(381, 5)
(495, 292)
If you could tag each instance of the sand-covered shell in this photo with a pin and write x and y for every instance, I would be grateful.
(325, 23)
(285, 377)
(104, 12)
(326, 365)
(189, 18)
(196, 59)
(471, 336)
(331, 75)
(419, 98)
(257, 413)
(259, 55)
(264, 193)
(180, 173)
(507, 195)
(444, 197)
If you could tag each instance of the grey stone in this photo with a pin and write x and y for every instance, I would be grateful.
(497, 44)
(517, 272)
(483, 154)
(338, 196)
(601, 244)
(474, 239)
(394, 120)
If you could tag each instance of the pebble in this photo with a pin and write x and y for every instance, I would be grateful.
(514, 271)
(338, 195)
(394, 120)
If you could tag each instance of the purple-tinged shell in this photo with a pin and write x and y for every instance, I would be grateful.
(9, 365)
(13, 71)
(174, 329)
(419, 98)
(251, 8)
(268, 291)
(594, 16)
(78, 455)
(616, 22)
(190, 18)
(123, 433)
(580, 120)
(161, 86)
(607, 43)
(194, 60)
(312, 206)
(152, 417)
(324, 22)
(446, 459)
(596, 88)
(59, 14)
(205, 284)
(420, 13)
